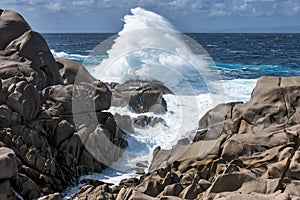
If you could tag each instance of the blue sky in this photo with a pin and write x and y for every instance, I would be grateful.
(186, 15)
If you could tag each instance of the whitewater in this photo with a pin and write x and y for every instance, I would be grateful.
(149, 48)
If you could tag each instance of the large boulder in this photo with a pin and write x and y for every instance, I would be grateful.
(32, 46)
(185, 152)
(143, 120)
(12, 25)
(244, 183)
(76, 99)
(274, 104)
(140, 96)
(73, 72)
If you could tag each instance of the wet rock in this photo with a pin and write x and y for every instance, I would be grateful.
(140, 171)
(140, 96)
(148, 101)
(94, 182)
(143, 121)
(142, 164)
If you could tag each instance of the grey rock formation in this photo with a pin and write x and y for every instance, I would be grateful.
(43, 114)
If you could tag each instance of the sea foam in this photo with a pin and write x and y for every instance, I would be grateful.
(62, 54)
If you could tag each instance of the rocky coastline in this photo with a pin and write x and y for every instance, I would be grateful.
(47, 136)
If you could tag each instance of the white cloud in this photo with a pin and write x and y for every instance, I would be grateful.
(54, 7)
(204, 7)
(240, 7)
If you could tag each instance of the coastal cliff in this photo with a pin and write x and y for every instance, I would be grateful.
(42, 151)
(240, 150)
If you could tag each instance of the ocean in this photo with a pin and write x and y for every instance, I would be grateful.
(237, 55)
(202, 69)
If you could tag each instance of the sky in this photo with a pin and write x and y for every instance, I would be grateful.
(87, 16)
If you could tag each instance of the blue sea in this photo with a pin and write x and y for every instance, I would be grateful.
(237, 56)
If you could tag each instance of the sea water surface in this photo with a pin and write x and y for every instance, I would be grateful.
(237, 55)
(238, 61)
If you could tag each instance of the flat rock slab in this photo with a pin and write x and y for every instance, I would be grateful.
(197, 150)
(243, 182)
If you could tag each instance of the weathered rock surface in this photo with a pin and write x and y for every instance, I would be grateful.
(140, 96)
(72, 71)
(12, 26)
(50, 118)
(241, 151)
(127, 125)
(143, 121)
(124, 122)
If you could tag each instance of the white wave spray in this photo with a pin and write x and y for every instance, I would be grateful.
(149, 48)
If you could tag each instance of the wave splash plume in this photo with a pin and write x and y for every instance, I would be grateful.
(149, 48)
